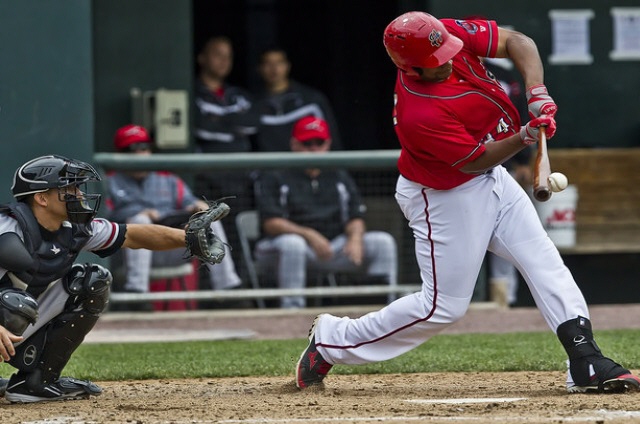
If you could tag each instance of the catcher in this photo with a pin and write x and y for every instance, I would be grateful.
(48, 303)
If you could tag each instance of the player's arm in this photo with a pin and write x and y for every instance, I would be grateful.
(276, 226)
(354, 248)
(523, 51)
(7, 339)
(153, 237)
(355, 228)
(494, 154)
(498, 152)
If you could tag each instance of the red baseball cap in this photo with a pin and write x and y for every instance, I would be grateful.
(131, 134)
(311, 127)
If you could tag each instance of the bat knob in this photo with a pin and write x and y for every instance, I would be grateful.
(542, 194)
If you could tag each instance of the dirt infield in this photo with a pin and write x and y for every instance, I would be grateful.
(525, 397)
(531, 397)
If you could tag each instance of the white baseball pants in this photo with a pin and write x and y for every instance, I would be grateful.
(453, 229)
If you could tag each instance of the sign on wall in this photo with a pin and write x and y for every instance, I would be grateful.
(626, 33)
(570, 35)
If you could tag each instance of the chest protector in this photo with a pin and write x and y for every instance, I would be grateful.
(53, 253)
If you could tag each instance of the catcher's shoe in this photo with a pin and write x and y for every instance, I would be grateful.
(618, 380)
(311, 368)
(3, 386)
(20, 390)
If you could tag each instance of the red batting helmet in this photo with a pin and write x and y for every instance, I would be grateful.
(417, 39)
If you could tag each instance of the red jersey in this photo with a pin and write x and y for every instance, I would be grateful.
(442, 126)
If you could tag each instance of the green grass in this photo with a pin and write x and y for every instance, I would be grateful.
(538, 351)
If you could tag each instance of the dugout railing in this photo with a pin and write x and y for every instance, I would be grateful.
(374, 171)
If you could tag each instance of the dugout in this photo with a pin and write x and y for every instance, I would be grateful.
(66, 85)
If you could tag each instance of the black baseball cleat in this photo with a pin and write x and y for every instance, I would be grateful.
(311, 368)
(620, 384)
(605, 376)
(3, 386)
(65, 388)
(589, 370)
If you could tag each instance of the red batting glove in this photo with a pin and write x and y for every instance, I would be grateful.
(529, 133)
(539, 102)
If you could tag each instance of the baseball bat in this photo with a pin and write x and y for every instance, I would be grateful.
(542, 169)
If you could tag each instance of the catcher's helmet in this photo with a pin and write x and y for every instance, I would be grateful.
(66, 175)
(417, 39)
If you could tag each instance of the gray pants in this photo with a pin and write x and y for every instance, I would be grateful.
(140, 261)
(290, 258)
(501, 271)
(50, 304)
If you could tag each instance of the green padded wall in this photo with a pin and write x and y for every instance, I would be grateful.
(137, 43)
(45, 83)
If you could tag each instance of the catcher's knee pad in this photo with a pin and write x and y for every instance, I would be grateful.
(587, 364)
(88, 286)
(17, 310)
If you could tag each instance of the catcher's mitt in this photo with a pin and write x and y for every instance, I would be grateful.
(200, 240)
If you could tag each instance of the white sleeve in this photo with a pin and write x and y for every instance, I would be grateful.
(8, 225)
(105, 235)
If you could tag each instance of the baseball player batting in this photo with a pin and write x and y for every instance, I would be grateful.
(456, 127)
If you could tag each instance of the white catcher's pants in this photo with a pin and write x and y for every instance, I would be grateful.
(453, 229)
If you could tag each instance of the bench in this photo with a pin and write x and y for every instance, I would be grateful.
(608, 209)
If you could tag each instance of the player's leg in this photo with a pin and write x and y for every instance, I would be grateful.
(503, 280)
(18, 310)
(557, 295)
(68, 311)
(451, 233)
(137, 262)
(223, 276)
(380, 258)
(520, 238)
(289, 252)
(138, 268)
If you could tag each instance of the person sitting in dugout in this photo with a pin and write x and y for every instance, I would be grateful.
(158, 197)
(313, 220)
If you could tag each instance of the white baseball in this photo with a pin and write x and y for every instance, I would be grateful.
(558, 181)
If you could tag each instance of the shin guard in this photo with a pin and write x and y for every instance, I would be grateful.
(587, 365)
(50, 348)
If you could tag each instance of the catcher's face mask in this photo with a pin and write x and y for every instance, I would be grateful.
(82, 206)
